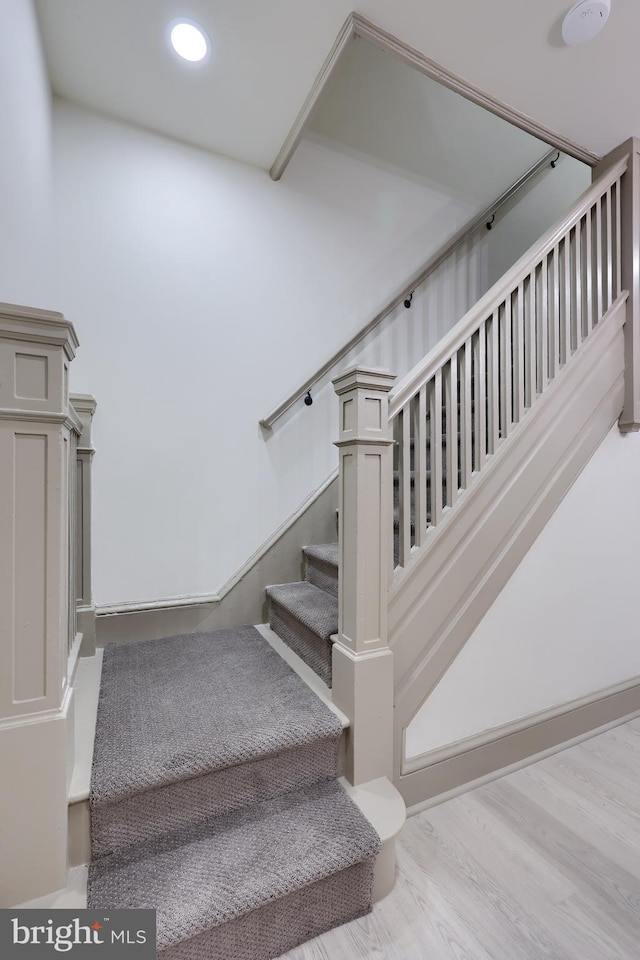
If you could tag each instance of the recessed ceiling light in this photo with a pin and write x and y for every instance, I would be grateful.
(189, 41)
(585, 20)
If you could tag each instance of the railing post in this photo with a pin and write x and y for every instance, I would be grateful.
(362, 660)
(36, 348)
(85, 407)
(630, 252)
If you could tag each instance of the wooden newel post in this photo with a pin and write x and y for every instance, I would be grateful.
(362, 660)
(630, 252)
(85, 407)
(37, 427)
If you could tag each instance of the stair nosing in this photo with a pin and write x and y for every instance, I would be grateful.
(313, 589)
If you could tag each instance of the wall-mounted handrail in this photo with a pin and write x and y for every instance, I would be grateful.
(458, 335)
(425, 271)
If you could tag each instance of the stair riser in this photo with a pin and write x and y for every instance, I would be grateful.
(311, 648)
(169, 808)
(280, 926)
(322, 575)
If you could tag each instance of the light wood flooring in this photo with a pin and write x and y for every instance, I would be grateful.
(543, 864)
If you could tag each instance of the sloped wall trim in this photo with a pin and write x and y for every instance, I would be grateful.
(241, 599)
(439, 602)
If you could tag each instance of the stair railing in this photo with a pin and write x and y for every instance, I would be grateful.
(452, 412)
(441, 426)
(407, 290)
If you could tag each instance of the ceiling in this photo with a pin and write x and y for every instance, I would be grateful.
(112, 56)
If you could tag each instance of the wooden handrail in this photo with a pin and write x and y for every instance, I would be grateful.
(453, 341)
(425, 271)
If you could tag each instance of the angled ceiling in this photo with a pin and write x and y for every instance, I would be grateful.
(113, 57)
(377, 108)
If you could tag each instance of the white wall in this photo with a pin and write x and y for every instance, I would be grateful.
(533, 210)
(565, 625)
(202, 294)
(25, 161)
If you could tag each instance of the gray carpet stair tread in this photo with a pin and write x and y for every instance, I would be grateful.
(181, 707)
(220, 870)
(315, 608)
(324, 552)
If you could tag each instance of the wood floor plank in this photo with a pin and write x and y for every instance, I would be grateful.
(596, 875)
(595, 820)
(543, 864)
(485, 903)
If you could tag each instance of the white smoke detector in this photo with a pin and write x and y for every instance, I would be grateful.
(585, 20)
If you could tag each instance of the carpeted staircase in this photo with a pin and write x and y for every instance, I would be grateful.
(305, 614)
(214, 799)
(214, 796)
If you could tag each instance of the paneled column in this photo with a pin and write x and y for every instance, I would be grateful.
(629, 236)
(362, 660)
(85, 407)
(36, 424)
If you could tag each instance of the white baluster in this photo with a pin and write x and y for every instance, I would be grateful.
(493, 384)
(609, 244)
(518, 354)
(530, 340)
(404, 486)
(599, 264)
(466, 462)
(565, 345)
(480, 397)
(542, 320)
(451, 409)
(578, 284)
(588, 281)
(554, 306)
(435, 411)
(618, 241)
(420, 465)
(506, 368)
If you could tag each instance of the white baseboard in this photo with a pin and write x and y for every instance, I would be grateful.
(448, 771)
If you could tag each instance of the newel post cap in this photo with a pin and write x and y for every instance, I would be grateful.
(368, 378)
(31, 324)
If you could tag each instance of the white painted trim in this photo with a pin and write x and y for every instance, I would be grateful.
(519, 765)
(87, 691)
(432, 617)
(367, 30)
(84, 403)
(305, 672)
(68, 420)
(74, 657)
(419, 277)
(497, 294)
(357, 26)
(423, 760)
(33, 325)
(384, 808)
(138, 606)
(342, 43)
(71, 897)
(26, 719)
